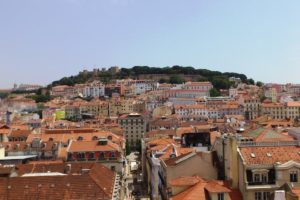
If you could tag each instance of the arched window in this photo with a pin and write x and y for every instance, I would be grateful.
(80, 138)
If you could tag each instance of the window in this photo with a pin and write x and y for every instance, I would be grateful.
(113, 168)
(112, 154)
(220, 196)
(256, 178)
(264, 178)
(101, 156)
(258, 196)
(81, 156)
(91, 156)
(266, 196)
(293, 176)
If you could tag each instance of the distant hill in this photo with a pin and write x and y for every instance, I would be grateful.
(175, 74)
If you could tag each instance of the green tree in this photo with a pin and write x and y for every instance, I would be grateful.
(176, 79)
(214, 92)
(163, 80)
(220, 82)
(139, 146)
(3, 95)
(127, 148)
(202, 79)
(259, 83)
(250, 81)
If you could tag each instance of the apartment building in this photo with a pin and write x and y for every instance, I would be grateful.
(185, 93)
(289, 110)
(141, 86)
(264, 169)
(252, 107)
(205, 86)
(134, 126)
(63, 90)
(102, 150)
(272, 94)
(185, 165)
(95, 90)
(95, 108)
(209, 110)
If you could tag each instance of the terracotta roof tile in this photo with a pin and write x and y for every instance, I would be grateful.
(270, 155)
(92, 146)
(98, 183)
(185, 181)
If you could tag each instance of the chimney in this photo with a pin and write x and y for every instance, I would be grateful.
(68, 169)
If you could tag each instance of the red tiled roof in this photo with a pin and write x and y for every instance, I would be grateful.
(216, 187)
(202, 188)
(92, 146)
(195, 192)
(185, 181)
(98, 183)
(270, 155)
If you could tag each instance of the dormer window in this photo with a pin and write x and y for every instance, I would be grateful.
(102, 141)
(95, 138)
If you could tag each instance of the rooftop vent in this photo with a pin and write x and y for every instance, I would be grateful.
(252, 155)
(269, 154)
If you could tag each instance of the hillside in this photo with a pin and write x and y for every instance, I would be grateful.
(175, 74)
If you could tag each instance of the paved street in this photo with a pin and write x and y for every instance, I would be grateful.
(132, 181)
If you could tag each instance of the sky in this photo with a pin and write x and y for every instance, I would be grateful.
(45, 40)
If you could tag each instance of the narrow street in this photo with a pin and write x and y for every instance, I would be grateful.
(132, 182)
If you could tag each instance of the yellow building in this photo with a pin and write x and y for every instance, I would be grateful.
(60, 114)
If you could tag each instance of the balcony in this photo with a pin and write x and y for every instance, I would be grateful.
(261, 185)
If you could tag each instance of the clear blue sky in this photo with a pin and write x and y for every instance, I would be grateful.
(44, 40)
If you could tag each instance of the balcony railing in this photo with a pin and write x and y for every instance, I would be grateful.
(263, 183)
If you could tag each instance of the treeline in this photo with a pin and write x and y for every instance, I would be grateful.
(136, 70)
(218, 79)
